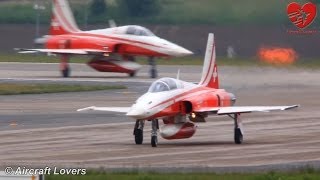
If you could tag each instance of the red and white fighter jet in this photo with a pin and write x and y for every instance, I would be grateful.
(181, 104)
(111, 50)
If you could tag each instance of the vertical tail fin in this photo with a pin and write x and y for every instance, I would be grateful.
(210, 72)
(62, 20)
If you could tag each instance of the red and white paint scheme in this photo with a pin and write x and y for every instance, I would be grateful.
(115, 46)
(181, 104)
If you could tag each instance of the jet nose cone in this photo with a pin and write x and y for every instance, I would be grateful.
(186, 52)
(183, 52)
(176, 50)
(136, 113)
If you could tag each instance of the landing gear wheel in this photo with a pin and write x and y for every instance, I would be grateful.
(153, 73)
(138, 131)
(238, 128)
(138, 136)
(133, 74)
(153, 68)
(64, 65)
(154, 141)
(154, 132)
(132, 59)
(238, 137)
(65, 72)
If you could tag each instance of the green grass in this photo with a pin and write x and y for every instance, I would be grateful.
(17, 13)
(199, 61)
(301, 175)
(223, 12)
(15, 89)
(38, 58)
(173, 12)
(311, 63)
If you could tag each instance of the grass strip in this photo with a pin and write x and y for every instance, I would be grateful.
(17, 89)
(298, 175)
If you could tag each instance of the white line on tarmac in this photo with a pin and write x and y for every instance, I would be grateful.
(78, 80)
(66, 127)
(37, 63)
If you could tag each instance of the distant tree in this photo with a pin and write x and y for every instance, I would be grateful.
(98, 7)
(140, 8)
(315, 1)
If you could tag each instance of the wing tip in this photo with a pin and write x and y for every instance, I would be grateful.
(86, 109)
(291, 107)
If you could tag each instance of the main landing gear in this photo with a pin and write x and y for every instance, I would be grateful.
(64, 66)
(238, 130)
(153, 68)
(138, 132)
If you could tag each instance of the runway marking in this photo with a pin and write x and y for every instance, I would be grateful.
(127, 92)
(66, 128)
(13, 124)
(38, 63)
(211, 150)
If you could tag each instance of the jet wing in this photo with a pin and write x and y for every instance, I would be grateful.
(63, 51)
(111, 109)
(245, 109)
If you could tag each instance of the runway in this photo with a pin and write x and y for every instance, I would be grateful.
(46, 130)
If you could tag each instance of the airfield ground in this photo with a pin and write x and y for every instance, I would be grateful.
(45, 130)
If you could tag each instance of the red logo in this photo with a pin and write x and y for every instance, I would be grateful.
(302, 16)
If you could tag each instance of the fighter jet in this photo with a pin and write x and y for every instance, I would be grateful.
(111, 50)
(180, 105)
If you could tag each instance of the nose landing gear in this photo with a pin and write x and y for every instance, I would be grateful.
(154, 133)
(138, 132)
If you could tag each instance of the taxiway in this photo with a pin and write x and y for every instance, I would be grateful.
(46, 130)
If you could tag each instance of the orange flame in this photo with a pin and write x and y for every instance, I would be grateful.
(278, 56)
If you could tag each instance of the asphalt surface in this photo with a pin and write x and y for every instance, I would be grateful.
(46, 130)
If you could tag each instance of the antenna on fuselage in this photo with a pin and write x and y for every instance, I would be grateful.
(112, 23)
(178, 74)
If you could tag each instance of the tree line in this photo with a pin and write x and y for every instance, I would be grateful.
(133, 8)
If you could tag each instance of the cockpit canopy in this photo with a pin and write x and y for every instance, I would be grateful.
(138, 31)
(126, 30)
(163, 84)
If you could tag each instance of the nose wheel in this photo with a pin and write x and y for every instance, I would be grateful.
(154, 133)
(138, 131)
